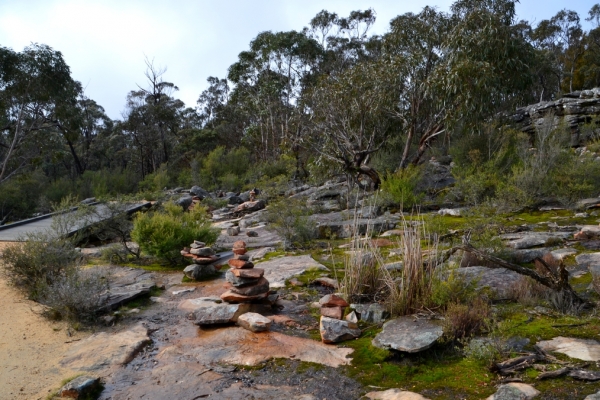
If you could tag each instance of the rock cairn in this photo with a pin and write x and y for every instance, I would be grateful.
(203, 257)
(245, 283)
(332, 327)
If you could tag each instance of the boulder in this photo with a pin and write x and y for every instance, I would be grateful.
(500, 281)
(409, 335)
(373, 312)
(206, 311)
(591, 261)
(335, 330)
(588, 232)
(595, 396)
(278, 270)
(394, 394)
(254, 322)
(199, 192)
(185, 202)
(252, 234)
(197, 272)
(80, 387)
(582, 349)
(234, 200)
(514, 391)
(250, 206)
(233, 231)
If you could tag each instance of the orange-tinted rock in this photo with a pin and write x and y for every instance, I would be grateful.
(261, 286)
(239, 251)
(240, 244)
(240, 264)
(244, 257)
(231, 297)
(331, 300)
(248, 273)
(332, 312)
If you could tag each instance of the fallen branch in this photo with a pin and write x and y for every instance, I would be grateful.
(585, 375)
(554, 374)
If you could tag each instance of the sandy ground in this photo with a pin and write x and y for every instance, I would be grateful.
(30, 346)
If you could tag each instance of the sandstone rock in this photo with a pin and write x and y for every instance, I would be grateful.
(582, 349)
(408, 334)
(199, 192)
(184, 202)
(240, 244)
(501, 281)
(207, 312)
(250, 206)
(254, 273)
(561, 254)
(394, 394)
(240, 264)
(588, 232)
(454, 212)
(252, 234)
(254, 322)
(196, 271)
(332, 312)
(526, 240)
(335, 330)
(329, 282)
(240, 251)
(232, 297)
(373, 312)
(595, 396)
(260, 286)
(278, 270)
(331, 300)
(80, 387)
(243, 257)
(103, 349)
(514, 391)
(199, 243)
(203, 251)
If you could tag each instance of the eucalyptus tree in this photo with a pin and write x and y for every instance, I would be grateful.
(37, 94)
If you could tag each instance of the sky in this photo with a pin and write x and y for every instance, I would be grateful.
(105, 42)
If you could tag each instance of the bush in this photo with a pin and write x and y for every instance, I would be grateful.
(225, 170)
(401, 186)
(290, 219)
(466, 320)
(165, 232)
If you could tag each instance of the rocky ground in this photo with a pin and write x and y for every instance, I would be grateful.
(155, 347)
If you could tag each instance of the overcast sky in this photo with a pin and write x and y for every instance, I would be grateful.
(105, 41)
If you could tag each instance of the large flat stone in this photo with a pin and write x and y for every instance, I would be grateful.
(582, 349)
(526, 240)
(591, 261)
(515, 391)
(237, 345)
(207, 312)
(500, 281)
(103, 350)
(409, 335)
(279, 269)
(335, 330)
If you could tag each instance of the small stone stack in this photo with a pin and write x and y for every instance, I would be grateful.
(244, 282)
(333, 328)
(202, 256)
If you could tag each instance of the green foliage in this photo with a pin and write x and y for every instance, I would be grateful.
(163, 233)
(225, 170)
(158, 180)
(401, 186)
(290, 219)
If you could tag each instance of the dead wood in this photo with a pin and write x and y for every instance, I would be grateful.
(585, 375)
(554, 374)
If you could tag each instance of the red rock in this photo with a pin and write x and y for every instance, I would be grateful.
(261, 286)
(242, 257)
(248, 273)
(240, 264)
(231, 297)
(331, 300)
(332, 312)
(240, 244)
(200, 260)
(239, 251)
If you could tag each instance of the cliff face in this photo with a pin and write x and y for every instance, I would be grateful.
(573, 110)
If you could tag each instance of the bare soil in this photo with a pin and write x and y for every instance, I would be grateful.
(30, 346)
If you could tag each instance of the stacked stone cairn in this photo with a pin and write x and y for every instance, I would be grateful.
(333, 327)
(203, 258)
(245, 283)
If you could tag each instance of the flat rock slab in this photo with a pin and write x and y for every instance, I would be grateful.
(591, 261)
(582, 349)
(103, 350)
(207, 311)
(125, 284)
(278, 270)
(526, 240)
(409, 335)
(501, 281)
(265, 238)
(254, 322)
(394, 394)
(515, 391)
(237, 345)
(561, 254)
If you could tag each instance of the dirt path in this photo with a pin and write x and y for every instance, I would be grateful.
(30, 346)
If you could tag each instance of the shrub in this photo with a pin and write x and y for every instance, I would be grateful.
(290, 219)
(165, 232)
(401, 186)
(76, 294)
(225, 170)
(466, 320)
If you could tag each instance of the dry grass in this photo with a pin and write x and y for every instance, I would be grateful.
(466, 320)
